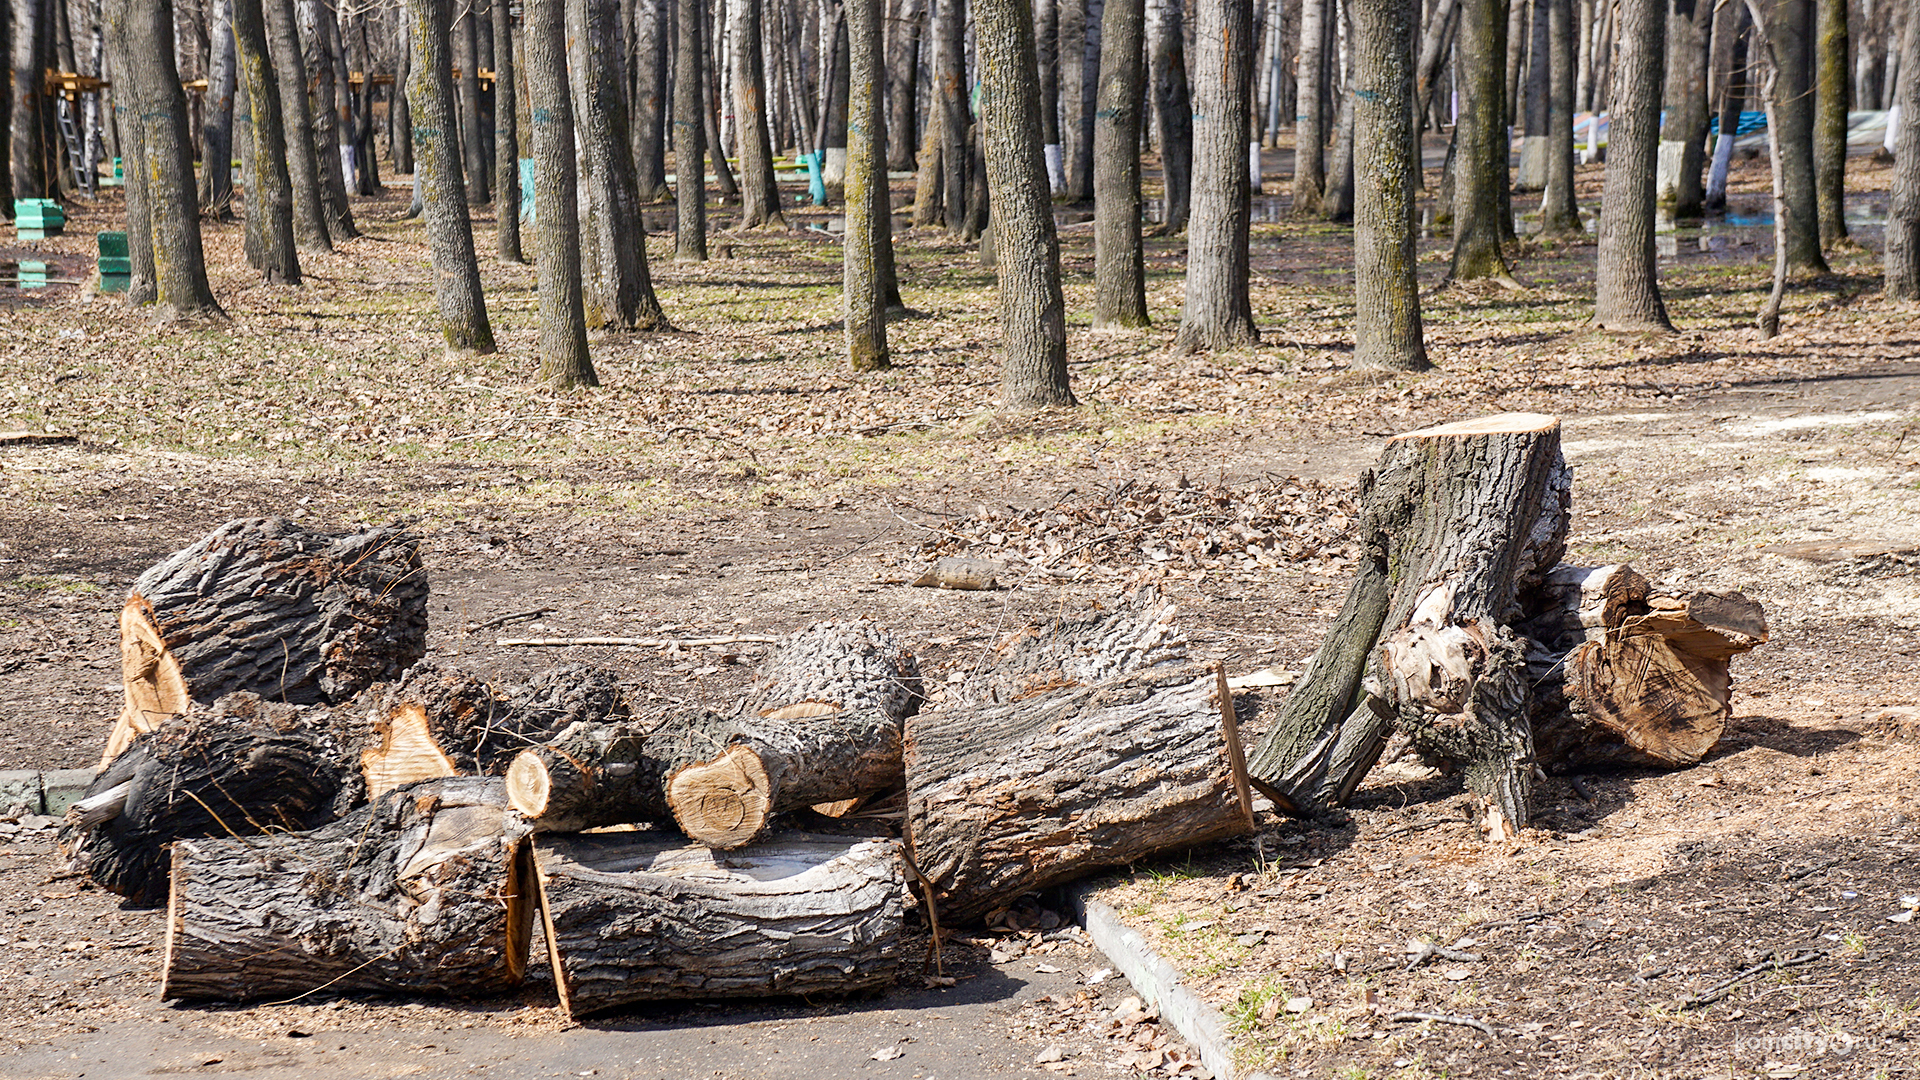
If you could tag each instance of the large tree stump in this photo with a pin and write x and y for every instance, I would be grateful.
(840, 665)
(238, 767)
(425, 891)
(1458, 521)
(636, 917)
(1006, 798)
(1626, 676)
(265, 606)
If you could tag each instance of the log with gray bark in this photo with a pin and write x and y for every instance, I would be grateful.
(842, 665)
(266, 606)
(1008, 797)
(427, 890)
(644, 916)
(1073, 651)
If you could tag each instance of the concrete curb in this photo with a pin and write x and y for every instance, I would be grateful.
(48, 792)
(1159, 983)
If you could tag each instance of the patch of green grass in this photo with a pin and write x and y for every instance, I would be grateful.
(54, 583)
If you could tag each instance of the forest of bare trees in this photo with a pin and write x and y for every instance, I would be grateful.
(1003, 108)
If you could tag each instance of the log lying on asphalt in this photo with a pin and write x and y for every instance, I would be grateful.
(238, 767)
(1457, 522)
(1005, 798)
(636, 917)
(1068, 652)
(266, 606)
(839, 665)
(427, 890)
(1624, 675)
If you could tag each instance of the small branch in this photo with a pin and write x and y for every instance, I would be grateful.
(1442, 1018)
(642, 642)
(518, 616)
(1710, 996)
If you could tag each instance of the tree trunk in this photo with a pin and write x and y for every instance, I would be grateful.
(1627, 678)
(1538, 99)
(903, 83)
(1067, 652)
(865, 301)
(165, 160)
(400, 115)
(1309, 139)
(1070, 45)
(1458, 522)
(1046, 49)
(141, 286)
(427, 891)
(506, 140)
(564, 362)
(1434, 43)
(832, 129)
(472, 139)
(1903, 218)
(1336, 202)
(271, 247)
(1480, 164)
(345, 612)
(1735, 24)
(1387, 330)
(769, 766)
(840, 665)
(930, 177)
(711, 71)
(1789, 29)
(1006, 798)
(1559, 208)
(456, 268)
(641, 917)
(1033, 325)
(650, 100)
(689, 135)
(1628, 288)
(29, 158)
(216, 178)
(1218, 313)
(1830, 123)
(956, 117)
(316, 26)
(759, 188)
(1119, 265)
(1683, 134)
(1173, 116)
(303, 160)
(365, 156)
(622, 296)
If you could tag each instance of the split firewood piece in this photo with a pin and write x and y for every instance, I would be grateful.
(238, 767)
(1627, 676)
(642, 916)
(438, 721)
(1457, 522)
(1065, 652)
(427, 890)
(1006, 798)
(265, 606)
(839, 665)
(772, 766)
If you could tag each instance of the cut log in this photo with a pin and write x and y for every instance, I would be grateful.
(238, 767)
(438, 721)
(771, 766)
(634, 917)
(1006, 798)
(1065, 652)
(589, 775)
(1626, 676)
(1457, 522)
(265, 606)
(839, 665)
(426, 891)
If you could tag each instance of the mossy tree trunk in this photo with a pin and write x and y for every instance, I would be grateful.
(270, 246)
(1387, 329)
(1218, 312)
(1831, 99)
(1480, 160)
(621, 296)
(1119, 264)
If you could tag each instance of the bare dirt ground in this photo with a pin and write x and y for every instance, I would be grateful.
(733, 476)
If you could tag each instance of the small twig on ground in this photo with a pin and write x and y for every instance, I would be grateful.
(502, 620)
(1708, 997)
(1420, 950)
(1419, 826)
(1809, 871)
(1443, 1018)
(642, 642)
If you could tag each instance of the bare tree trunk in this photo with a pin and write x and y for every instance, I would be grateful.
(620, 295)
(456, 269)
(1789, 29)
(1628, 287)
(956, 117)
(1218, 312)
(400, 114)
(466, 56)
(1734, 23)
(759, 189)
(1559, 210)
(903, 82)
(1387, 330)
(1309, 138)
(1683, 135)
(689, 135)
(1830, 124)
(564, 362)
(1434, 43)
(271, 246)
(1046, 43)
(216, 178)
(506, 140)
(1075, 108)
(1119, 266)
(31, 179)
(929, 176)
(710, 74)
(315, 22)
(866, 189)
(1173, 113)
(1033, 325)
(1480, 165)
(366, 158)
(650, 100)
(303, 160)
(1903, 220)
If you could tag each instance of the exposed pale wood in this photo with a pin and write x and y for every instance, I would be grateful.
(588, 775)
(1230, 734)
(1498, 424)
(634, 917)
(425, 891)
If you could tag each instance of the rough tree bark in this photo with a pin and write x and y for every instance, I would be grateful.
(1480, 164)
(621, 296)
(456, 268)
(689, 135)
(1387, 330)
(318, 32)
(31, 179)
(904, 31)
(865, 300)
(643, 917)
(769, 766)
(216, 177)
(1173, 116)
(426, 891)
(303, 159)
(1218, 312)
(1831, 101)
(473, 140)
(1683, 134)
(271, 247)
(564, 362)
(759, 189)
(1309, 136)
(1627, 293)
(956, 118)
(399, 116)
(1119, 264)
(1903, 219)
(1458, 521)
(1789, 29)
(1559, 209)
(1033, 324)
(506, 139)
(650, 99)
